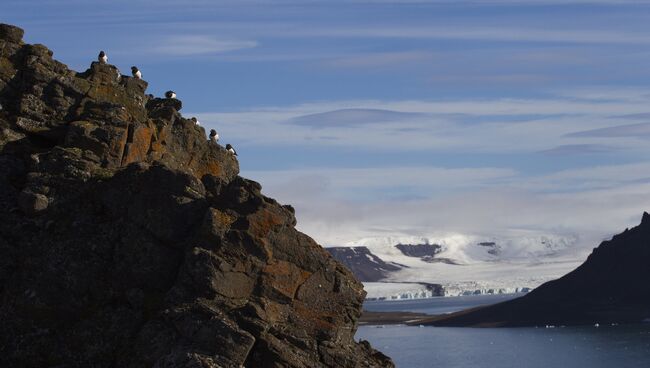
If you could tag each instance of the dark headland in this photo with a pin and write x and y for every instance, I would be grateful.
(127, 239)
(611, 286)
(392, 318)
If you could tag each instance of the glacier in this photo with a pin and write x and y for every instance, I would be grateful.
(472, 264)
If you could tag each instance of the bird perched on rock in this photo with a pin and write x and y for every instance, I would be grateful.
(214, 137)
(102, 58)
(196, 121)
(136, 72)
(230, 149)
(170, 94)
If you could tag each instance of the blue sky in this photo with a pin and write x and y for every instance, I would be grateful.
(399, 117)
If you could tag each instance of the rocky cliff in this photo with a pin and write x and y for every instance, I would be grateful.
(611, 286)
(128, 240)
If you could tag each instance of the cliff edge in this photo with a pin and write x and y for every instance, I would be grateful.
(129, 240)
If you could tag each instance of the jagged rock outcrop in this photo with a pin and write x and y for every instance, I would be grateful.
(611, 286)
(128, 240)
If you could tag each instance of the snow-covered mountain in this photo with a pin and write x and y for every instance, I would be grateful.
(469, 264)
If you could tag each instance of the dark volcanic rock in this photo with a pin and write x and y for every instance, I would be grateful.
(126, 240)
(611, 286)
(494, 248)
(425, 251)
(366, 266)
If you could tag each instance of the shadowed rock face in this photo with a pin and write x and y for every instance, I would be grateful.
(128, 240)
(419, 250)
(610, 287)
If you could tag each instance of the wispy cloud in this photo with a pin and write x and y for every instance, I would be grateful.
(484, 33)
(509, 2)
(598, 177)
(462, 125)
(641, 130)
(350, 180)
(353, 117)
(505, 78)
(578, 149)
(607, 95)
(188, 45)
(380, 59)
(641, 116)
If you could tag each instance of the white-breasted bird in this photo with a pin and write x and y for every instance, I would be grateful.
(136, 72)
(214, 137)
(102, 57)
(230, 149)
(196, 121)
(170, 94)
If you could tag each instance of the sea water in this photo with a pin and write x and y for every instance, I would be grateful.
(616, 346)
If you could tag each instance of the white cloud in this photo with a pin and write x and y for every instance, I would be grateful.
(590, 214)
(485, 33)
(348, 182)
(590, 178)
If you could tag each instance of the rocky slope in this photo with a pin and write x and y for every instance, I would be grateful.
(365, 266)
(611, 286)
(128, 240)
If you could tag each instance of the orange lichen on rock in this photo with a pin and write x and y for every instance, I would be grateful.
(139, 143)
(211, 167)
(315, 320)
(284, 277)
(264, 220)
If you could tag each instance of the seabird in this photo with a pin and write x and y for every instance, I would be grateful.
(230, 149)
(102, 58)
(214, 137)
(196, 121)
(170, 94)
(136, 73)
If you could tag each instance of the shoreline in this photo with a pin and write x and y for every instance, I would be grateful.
(369, 318)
